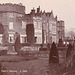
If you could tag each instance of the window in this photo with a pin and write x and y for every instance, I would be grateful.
(1, 38)
(35, 39)
(23, 25)
(35, 24)
(10, 25)
(44, 38)
(39, 24)
(19, 15)
(11, 38)
(23, 38)
(54, 29)
(39, 39)
(54, 39)
(11, 15)
(50, 27)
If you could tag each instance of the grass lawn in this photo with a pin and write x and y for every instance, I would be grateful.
(35, 67)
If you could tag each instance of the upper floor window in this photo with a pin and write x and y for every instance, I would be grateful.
(39, 24)
(35, 24)
(23, 25)
(10, 25)
(54, 29)
(19, 15)
(50, 27)
(11, 15)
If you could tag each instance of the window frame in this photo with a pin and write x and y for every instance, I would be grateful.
(11, 25)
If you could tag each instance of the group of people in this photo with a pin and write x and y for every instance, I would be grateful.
(54, 55)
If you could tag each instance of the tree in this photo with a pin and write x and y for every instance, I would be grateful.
(53, 57)
(17, 44)
(30, 33)
(70, 34)
(69, 50)
(1, 29)
(69, 55)
(5, 36)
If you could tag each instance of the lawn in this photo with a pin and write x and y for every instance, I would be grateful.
(34, 67)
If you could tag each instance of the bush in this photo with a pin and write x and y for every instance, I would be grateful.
(25, 44)
(3, 52)
(69, 50)
(53, 57)
(42, 49)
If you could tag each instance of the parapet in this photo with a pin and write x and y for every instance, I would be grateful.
(9, 7)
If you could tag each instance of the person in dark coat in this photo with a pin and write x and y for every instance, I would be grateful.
(17, 45)
(53, 57)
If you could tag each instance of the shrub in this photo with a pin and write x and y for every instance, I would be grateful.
(69, 49)
(53, 57)
(42, 49)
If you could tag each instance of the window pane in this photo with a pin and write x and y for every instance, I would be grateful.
(11, 38)
(35, 24)
(10, 25)
(11, 14)
(23, 25)
(1, 38)
(23, 38)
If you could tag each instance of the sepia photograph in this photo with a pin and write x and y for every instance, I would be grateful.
(37, 37)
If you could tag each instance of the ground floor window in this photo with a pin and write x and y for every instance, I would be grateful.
(23, 38)
(38, 40)
(1, 38)
(35, 39)
(54, 39)
(11, 38)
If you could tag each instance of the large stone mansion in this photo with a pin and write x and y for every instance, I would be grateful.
(47, 28)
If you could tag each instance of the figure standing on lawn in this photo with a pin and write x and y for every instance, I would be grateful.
(17, 45)
(53, 57)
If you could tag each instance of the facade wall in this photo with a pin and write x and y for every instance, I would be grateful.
(46, 28)
(37, 22)
(49, 27)
(8, 7)
(52, 32)
(61, 30)
(11, 17)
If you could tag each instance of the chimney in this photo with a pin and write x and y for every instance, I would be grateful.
(33, 11)
(38, 9)
(56, 18)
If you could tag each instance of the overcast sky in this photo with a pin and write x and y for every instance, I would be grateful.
(64, 9)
